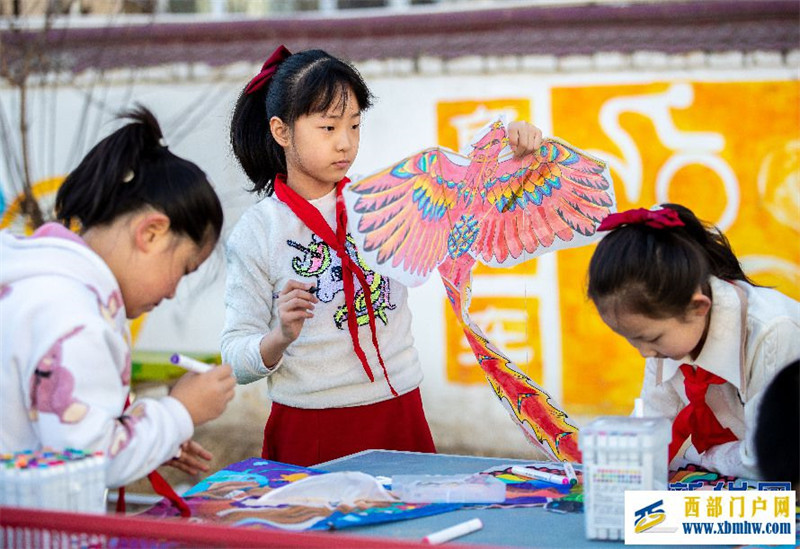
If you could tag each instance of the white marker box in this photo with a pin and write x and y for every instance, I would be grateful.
(620, 453)
(78, 486)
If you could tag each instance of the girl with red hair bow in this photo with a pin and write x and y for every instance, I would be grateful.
(712, 339)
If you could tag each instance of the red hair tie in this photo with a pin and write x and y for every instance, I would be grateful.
(269, 68)
(658, 219)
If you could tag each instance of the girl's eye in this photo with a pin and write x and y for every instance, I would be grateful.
(356, 126)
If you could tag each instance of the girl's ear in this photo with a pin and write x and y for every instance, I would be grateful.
(150, 230)
(280, 131)
(700, 305)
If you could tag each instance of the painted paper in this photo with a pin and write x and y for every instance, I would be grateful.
(231, 496)
(529, 492)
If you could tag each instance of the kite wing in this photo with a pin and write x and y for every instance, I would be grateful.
(401, 216)
(540, 202)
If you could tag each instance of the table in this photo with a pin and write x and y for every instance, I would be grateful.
(509, 527)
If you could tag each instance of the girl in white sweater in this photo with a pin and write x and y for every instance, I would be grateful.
(146, 218)
(332, 337)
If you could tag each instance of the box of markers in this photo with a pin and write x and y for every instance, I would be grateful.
(67, 480)
(619, 454)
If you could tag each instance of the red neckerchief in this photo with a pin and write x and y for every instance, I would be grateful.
(160, 486)
(310, 215)
(697, 419)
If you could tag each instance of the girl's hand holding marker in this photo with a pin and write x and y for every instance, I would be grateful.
(295, 304)
(206, 394)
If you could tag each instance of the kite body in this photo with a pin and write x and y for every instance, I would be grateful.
(500, 209)
(443, 210)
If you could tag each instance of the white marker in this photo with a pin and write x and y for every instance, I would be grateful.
(552, 478)
(190, 364)
(443, 536)
(570, 471)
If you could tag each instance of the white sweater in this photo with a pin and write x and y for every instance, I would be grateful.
(772, 341)
(268, 247)
(66, 362)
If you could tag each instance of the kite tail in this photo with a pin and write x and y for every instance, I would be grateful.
(530, 406)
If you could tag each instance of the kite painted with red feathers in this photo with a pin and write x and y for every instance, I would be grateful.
(443, 210)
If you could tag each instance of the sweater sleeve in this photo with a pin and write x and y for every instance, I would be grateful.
(79, 395)
(248, 304)
(779, 346)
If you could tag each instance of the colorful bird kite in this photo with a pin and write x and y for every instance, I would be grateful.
(445, 210)
(500, 209)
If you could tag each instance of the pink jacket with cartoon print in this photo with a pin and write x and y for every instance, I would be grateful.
(65, 360)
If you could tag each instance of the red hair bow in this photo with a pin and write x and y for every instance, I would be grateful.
(658, 219)
(269, 68)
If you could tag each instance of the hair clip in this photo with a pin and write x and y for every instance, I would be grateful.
(128, 177)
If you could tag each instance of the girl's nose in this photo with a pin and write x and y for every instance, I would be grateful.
(345, 142)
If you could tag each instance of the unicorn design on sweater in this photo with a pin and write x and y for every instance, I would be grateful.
(318, 261)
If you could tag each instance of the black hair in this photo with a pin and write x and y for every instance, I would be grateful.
(655, 271)
(305, 83)
(132, 169)
(778, 427)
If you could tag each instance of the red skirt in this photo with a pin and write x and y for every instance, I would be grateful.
(302, 436)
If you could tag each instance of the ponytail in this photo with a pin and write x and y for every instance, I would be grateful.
(723, 263)
(132, 169)
(655, 271)
(260, 156)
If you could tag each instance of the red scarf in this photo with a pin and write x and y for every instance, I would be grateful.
(697, 419)
(310, 215)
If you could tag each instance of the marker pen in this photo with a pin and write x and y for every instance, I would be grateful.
(453, 532)
(190, 364)
(570, 472)
(552, 478)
